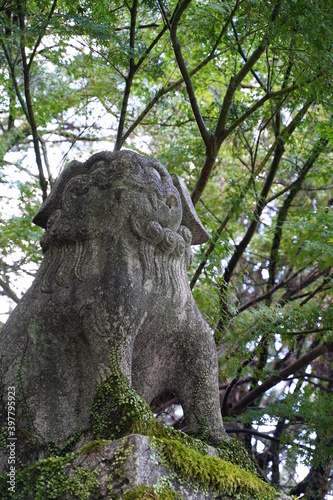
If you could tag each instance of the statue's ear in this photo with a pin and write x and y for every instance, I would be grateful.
(54, 200)
(190, 217)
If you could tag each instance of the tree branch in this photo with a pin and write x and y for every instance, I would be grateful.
(129, 78)
(318, 289)
(253, 433)
(315, 153)
(42, 33)
(209, 250)
(220, 130)
(150, 48)
(133, 69)
(29, 107)
(232, 87)
(240, 50)
(257, 105)
(174, 85)
(264, 296)
(282, 375)
(263, 341)
(8, 291)
(310, 278)
(279, 150)
(185, 74)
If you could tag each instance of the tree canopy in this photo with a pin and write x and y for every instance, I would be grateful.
(235, 96)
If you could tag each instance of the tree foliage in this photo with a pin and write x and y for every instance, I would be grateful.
(234, 96)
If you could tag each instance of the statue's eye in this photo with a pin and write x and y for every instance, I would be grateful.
(157, 174)
(154, 173)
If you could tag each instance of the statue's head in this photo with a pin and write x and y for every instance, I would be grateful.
(115, 189)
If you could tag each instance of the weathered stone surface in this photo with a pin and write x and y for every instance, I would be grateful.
(116, 249)
(124, 465)
(137, 467)
(127, 463)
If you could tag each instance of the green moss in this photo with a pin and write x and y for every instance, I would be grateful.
(140, 493)
(49, 479)
(212, 473)
(54, 450)
(93, 446)
(144, 492)
(83, 483)
(185, 457)
(118, 410)
(233, 451)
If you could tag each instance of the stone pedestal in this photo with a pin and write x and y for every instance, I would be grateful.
(137, 467)
(127, 464)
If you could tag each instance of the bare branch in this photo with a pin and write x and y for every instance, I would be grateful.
(133, 69)
(257, 105)
(240, 50)
(315, 153)
(282, 375)
(232, 87)
(174, 85)
(221, 133)
(209, 250)
(185, 74)
(279, 150)
(8, 291)
(29, 107)
(319, 288)
(253, 433)
(41, 34)
(264, 296)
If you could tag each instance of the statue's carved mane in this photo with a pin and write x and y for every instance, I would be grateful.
(73, 221)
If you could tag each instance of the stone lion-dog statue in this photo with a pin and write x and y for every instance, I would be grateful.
(116, 249)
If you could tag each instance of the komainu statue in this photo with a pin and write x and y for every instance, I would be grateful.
(118, 231)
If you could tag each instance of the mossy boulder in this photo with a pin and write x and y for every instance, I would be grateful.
(127, 454)
(138, 467)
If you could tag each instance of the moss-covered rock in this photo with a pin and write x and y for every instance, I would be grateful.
(137, 467)
(118, 411)
(212, 474)
(132, 456)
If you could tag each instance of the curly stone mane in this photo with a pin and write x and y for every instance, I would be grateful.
(75, 218)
